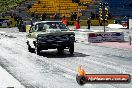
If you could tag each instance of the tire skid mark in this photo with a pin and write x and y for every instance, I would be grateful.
(5, 35)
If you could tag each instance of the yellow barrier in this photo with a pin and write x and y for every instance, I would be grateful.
(28, 28)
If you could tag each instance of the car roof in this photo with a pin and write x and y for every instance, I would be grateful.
(46, 22)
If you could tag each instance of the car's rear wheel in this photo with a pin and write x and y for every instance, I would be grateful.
(71, 48)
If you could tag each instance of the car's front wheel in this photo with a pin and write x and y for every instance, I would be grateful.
(37, 50)
(71, 48)
(31, 49)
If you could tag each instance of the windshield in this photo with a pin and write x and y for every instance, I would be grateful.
(51, 25)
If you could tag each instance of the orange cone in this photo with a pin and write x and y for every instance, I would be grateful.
(77, 24)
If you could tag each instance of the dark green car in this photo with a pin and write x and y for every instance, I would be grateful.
(46, 35)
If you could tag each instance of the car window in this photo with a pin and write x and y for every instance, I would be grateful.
(50, 25)
(57, 25)
(41, 27)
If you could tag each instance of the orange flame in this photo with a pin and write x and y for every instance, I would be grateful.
(81, 71)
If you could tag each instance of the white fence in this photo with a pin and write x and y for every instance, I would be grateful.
(99, 36)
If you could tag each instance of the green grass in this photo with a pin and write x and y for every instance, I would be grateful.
(8, 4)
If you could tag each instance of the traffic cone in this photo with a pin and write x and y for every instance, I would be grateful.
(77, 24)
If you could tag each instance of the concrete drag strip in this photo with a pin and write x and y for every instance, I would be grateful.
(3, 34)
(59, 71)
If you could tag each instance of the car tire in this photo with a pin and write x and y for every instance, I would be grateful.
(37, 51)
(71, 48)
(31, 49)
